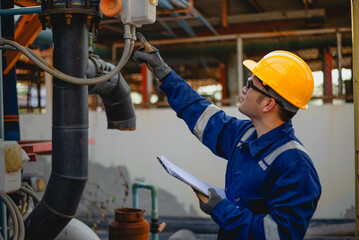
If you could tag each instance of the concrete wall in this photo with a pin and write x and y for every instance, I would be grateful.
(119, 158)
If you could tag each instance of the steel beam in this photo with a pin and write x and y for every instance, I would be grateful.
(256, 6)
(182, 23)
(27, 30)
(263, 17)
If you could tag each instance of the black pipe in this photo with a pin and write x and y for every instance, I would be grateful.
(115, 95)
(69, 133)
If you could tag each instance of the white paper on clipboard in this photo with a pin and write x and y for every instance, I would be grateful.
(188, 178)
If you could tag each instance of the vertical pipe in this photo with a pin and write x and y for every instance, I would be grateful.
(154, 197)
(149, 85)
(38, 88)
(224, 13)
(2, 204)
(240, 64)
(2, 135)
(69, 132)
(48, 85)
(340, 59)
(144, 86)
(327, 70)
(355, 36)
(1, 90)
(223, 81)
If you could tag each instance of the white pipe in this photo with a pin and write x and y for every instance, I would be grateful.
(340, 59)
(236, 36)
(240, 65)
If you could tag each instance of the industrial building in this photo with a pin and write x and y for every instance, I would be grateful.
(87, 121)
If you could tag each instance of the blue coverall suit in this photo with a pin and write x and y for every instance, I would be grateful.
(272, 187)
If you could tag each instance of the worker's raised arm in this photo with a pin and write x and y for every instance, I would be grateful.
(205, 120)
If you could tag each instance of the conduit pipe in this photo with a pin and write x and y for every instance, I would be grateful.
(200, 18)
(155, 227)
(20, 11)
(243, 36)
(167, 4)
(340, 59)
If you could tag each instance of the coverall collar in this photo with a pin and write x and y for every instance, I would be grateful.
(257, 145)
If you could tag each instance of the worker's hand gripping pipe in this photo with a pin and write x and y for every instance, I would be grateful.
(129, 36)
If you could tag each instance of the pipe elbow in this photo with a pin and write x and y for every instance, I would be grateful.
(115, 95)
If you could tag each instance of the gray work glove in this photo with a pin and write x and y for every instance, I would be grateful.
(213, 200)
(154, 61)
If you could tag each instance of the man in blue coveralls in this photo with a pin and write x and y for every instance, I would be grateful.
(272, 188)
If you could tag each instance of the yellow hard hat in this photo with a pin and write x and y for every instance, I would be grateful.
(287, 74)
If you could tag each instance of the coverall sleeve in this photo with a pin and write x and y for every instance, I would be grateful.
(293, 200)
(205, 120)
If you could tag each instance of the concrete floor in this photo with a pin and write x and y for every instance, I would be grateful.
(206, 229)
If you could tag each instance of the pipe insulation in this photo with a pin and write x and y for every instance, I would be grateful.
(115, 94)
(69, 133)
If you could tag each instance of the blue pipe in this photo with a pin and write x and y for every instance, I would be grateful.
(154, 213)
(20, 11)
(201, 18)
(181, 22)
(2, 204)
(3, 220)
(168, 28)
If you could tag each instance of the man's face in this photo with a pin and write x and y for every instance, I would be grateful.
(250, 99)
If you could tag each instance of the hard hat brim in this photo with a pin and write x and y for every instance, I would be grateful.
(250, 64)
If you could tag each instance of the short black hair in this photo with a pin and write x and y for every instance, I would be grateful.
(284, 114)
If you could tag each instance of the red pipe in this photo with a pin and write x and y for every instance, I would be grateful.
(144, 86)
(223, 80)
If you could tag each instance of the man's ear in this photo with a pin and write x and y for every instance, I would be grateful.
(270, 105)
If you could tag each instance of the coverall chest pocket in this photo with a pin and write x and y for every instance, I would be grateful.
(255, 205)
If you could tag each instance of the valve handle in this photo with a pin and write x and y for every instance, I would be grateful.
(161, 226)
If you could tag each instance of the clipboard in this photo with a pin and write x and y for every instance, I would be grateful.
(189, 179)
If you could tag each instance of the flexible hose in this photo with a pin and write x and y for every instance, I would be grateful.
(4, 198)
(19, 219)
(35, 198)
(129, 44)
(18, 223)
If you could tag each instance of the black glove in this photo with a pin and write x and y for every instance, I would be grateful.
(213, 200)
(154, 61)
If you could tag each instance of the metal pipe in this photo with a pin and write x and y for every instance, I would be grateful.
(20, 11)
(182, 23)
(69, 132)
(168, 28)
(240, 66)
(243, 36)
(355, 35)
(154, 194)
(154, 212)
(340, 59)
(2, 135)
(224, 13)
(202, 19)
(115, 94)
